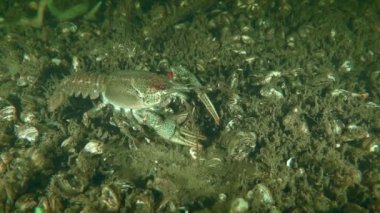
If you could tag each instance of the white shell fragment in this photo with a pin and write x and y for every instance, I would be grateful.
(246, 39)
(347, 66)
(347, 94)
(268, 78)
(7, 111)
(261, 197)
(94, 147)
(290, 162)
(222, 197)
(372, 105)
(354, 132)
(75, 64)
(68, 27)
(239, 144)
(193, 153)
(69, 144)
(333, 34)
(331, 77)
(337, 127)
(28, 117)
(271, 92)
(56, 61)
(374, 148)
(29, 133)
(239, 205)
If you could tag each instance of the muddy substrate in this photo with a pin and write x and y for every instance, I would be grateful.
(296, 84)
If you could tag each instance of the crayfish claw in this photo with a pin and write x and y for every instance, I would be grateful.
(169, 130)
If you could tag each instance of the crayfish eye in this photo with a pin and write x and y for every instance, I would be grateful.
(170, 75)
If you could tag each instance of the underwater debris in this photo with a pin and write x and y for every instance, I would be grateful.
(314, 149)
(61, 15)
(7, 111)
(29, 133)
(239, 144)
(260, 197)
(239, 205)
(94, 147)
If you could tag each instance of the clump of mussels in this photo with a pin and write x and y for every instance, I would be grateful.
(299, 110)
